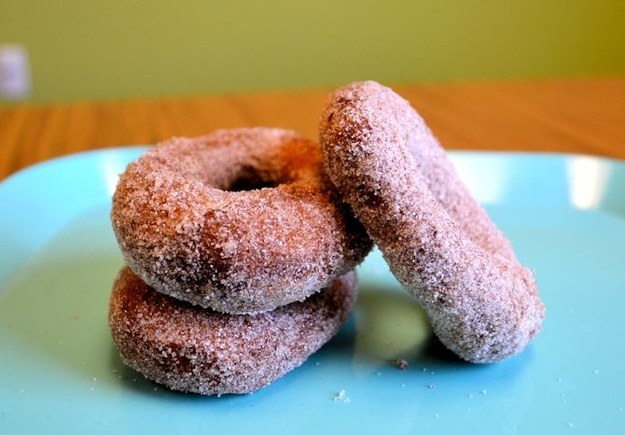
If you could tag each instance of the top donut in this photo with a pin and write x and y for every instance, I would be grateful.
(240, 220)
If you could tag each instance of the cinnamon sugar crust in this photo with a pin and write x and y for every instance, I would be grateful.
(240, 220)
(191, 349)
(439, 243)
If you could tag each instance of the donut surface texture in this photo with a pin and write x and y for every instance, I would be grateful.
(440, 245)
(240, 220)
(191, 349)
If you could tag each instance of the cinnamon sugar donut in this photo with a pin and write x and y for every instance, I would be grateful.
(439, 243)
(187, 348)
(240, 220)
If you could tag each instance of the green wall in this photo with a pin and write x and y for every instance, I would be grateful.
(134, 48)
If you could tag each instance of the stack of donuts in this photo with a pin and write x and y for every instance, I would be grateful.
(240, 246)
(240, 258)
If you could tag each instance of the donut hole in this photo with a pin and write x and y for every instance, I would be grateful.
(249, 178)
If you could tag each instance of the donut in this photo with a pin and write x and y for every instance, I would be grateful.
(190, 349)
(240, 220)
(440, 245)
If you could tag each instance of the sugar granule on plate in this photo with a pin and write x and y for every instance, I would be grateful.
(341, 396)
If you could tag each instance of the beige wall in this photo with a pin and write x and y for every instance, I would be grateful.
(133, 48)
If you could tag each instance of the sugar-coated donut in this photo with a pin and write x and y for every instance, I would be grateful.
(240, 220)
(187, 348)
(482, 304)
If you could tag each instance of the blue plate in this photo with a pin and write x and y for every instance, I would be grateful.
(565, 215)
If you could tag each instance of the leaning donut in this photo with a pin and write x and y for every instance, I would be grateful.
(240, 220)
(481, 302)
(191, 349)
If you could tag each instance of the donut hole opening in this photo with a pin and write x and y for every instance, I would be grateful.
(243, 184)
(250, 179)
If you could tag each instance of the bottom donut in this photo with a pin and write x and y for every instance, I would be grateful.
(192, 349)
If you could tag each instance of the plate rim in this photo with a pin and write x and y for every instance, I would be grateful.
(451, 152)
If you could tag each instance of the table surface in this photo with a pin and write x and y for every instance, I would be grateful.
(576, 115)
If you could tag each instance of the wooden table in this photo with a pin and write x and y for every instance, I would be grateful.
(561, 115)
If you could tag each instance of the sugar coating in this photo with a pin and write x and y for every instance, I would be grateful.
(191, 349)
(185, 232)
(439, 243)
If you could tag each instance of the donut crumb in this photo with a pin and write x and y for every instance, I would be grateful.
(401, 364)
